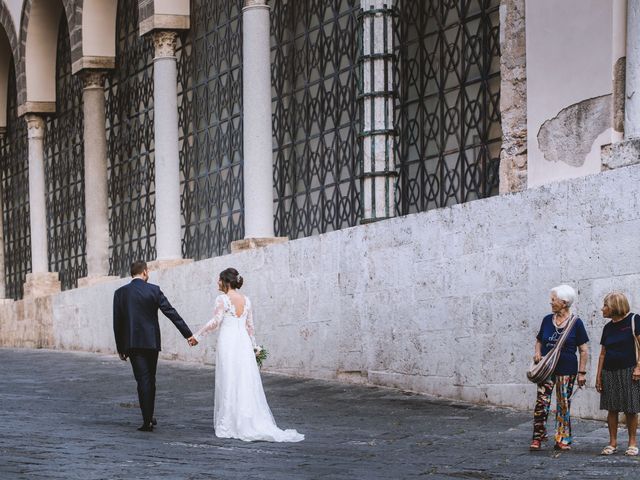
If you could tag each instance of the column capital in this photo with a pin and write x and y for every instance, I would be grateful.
(93, 78)
(35, 125)
(165, 42)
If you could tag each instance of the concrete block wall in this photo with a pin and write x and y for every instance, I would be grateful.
(446, 302)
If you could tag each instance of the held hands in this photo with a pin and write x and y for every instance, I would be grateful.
(192, 341)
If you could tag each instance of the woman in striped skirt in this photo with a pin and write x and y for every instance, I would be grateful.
(618, 378)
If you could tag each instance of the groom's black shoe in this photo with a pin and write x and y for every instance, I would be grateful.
(146, 428)
(154, 422)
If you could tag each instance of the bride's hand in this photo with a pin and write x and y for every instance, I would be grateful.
(192, 341)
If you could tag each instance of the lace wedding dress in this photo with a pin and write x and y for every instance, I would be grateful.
(240, 406)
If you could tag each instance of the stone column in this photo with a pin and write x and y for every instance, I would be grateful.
(40, 282)
(95, 178)
(513, 96)
(627, 152)
(632, 102)
(378, 127)
(37, 202)
(257, 127)
(167, 161)
(618, 66)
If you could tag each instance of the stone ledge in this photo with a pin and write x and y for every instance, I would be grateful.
(622, 154)
(93, 63)
(41, 285)
(95, 280)
(36, 107)
(253, 243)
(166, 264)
(164, 22)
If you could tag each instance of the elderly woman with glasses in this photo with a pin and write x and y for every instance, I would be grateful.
(566, 372)
(618, 377)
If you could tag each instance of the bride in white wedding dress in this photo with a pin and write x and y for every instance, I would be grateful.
(240, 406)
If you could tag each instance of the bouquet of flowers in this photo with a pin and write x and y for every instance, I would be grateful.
(261, 354)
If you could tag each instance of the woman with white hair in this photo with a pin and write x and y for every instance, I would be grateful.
(566, 372)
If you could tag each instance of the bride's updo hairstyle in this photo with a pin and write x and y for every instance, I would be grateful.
(231, 278)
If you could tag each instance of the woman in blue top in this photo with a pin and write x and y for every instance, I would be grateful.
(566, 372)
(618, 378)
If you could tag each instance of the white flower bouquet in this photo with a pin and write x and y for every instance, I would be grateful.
(261, 354)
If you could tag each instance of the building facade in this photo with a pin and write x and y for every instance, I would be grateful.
(132, 119)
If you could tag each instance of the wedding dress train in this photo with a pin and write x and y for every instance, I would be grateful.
(240, 406)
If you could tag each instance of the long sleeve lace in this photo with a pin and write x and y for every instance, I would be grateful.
(214, 323)
(249, 323)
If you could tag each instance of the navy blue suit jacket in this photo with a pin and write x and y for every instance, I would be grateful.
(135, 316)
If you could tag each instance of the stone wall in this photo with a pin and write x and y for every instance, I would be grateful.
(445, 302)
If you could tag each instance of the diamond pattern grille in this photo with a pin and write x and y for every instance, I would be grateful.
(210, 122)
(130, 147)
(315, 115)
(14, 170)
(448, 105)
(64, 171)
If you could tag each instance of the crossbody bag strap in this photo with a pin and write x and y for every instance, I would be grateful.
(635, 338)
(567, 331)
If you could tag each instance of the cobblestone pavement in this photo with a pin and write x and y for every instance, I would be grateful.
(74, 416)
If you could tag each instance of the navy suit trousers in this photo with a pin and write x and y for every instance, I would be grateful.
(144, 363)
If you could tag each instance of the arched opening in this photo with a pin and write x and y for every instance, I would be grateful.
(98, 35)
(130, 146)
(39, 58)
(8, 48)
(210, 120)
(64, 170)
(14, 188)
(5, 68)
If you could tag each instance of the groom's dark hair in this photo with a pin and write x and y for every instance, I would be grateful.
(138, 267)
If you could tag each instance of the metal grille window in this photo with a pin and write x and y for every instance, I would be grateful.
(449, 87)
(315, 115)
(14, 171)
(64, 171)
(129, 111)
(210, 121)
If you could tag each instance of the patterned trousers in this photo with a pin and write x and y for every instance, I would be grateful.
(564, 388)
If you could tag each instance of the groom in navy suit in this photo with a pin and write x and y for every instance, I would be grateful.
(137, 332)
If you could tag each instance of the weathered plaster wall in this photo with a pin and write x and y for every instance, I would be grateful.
(445, 302)
(572, 50)
(27, 323)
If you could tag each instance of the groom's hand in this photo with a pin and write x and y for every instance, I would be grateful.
(123, 356)
(192, 341)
